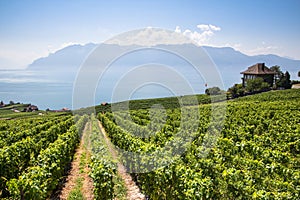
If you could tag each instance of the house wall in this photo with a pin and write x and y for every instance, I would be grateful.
(269, 78)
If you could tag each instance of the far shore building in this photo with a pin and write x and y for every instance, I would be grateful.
(61, 110)
(31, 108)
(258, 70)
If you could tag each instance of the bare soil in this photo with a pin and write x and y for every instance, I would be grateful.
(133, 191)
(74, 174)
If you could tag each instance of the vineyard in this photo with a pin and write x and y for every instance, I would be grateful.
(251, 151)
(35, 154)
(256, 155)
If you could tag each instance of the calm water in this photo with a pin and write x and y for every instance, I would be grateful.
(55, 90)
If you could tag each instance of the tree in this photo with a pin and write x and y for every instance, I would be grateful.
(278, 74)
(299, 74)
(282, 80)
(285, 81)
(288, 82)
(11, 102)
(236, 90)
(213, 91)
(256, 85)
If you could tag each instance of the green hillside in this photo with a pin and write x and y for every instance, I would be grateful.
(255, 155)
(250, 151)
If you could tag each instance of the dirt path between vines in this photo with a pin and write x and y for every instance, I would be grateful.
(133, 191)
(75, 174)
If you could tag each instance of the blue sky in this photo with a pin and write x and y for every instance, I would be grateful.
(32, 29)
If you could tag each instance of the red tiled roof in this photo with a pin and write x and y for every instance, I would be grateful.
(258, 68)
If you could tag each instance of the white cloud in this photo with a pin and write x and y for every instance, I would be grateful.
(214, 28)
(187, 32)
(153, 36)
(203, 37)
(198, 38)
(150, 37)
(66, 44)
(54, 48)
(208, 27)
(203, 27)
(177, 29)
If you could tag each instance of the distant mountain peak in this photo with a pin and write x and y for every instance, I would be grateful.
(71, 57)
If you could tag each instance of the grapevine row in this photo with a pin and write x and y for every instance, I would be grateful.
(103, 167)
(14, 159)
(39, 180)
(255, 157)
(11, 137)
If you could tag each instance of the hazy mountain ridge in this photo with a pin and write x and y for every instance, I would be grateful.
(68, 57)
(49, 81)
(225, 58)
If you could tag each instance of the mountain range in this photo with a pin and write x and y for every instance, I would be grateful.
(228, 61)
(49, 81)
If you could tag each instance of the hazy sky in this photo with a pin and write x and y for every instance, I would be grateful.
(31, 29)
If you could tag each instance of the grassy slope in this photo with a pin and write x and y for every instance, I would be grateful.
(173, 102)
(8, 113)
(167, 103)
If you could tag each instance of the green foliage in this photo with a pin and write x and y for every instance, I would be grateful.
(284, 81)
(236, 90)
(20, 129)
(167, 103)
(76, 193)
(256, 155)
(17, 156)
(295, 82)
(82, 162)
(213, 91)
(120, 189)
(8, 112)
(278, 71)
(257, 84)
(103, 168)
(41, 179)
(107, 183)
(55, 150)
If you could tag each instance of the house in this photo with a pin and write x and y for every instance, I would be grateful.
(258, 70)
(31, 108)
